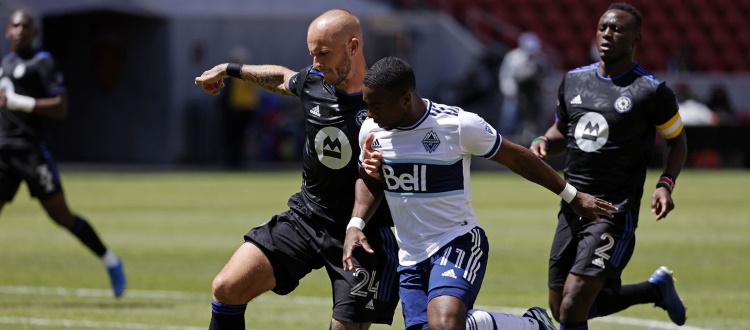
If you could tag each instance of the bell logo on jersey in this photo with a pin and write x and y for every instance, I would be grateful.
(415, 181)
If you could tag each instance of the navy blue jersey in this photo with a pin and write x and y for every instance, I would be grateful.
(33, 75)
(611, 130)
(330, 160)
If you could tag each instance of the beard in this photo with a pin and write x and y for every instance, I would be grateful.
(342, 71)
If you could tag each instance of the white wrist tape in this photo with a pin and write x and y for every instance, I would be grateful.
(356, 222)
(19, 102)
(568, 193)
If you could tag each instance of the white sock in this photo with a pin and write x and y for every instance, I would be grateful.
(110, 259)
(478, 319)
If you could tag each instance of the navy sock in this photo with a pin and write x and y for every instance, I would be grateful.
(227, 317)
(88, 236)
(574, 326)
(609, 301)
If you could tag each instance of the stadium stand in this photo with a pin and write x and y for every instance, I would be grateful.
(711, 35)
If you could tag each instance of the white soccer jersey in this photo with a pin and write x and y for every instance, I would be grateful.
(425, 174)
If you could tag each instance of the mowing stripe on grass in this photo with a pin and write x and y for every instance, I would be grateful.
(178, 295)
(89, 324)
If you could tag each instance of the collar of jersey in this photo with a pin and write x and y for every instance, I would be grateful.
(421, 120)
(338, 91)
(32, 53)
(635, 64)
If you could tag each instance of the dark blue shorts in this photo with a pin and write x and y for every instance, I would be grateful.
(297, 244)
(34, 166)
(456, 270)
(584, 247)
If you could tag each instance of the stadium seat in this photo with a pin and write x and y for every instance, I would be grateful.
(717, 32)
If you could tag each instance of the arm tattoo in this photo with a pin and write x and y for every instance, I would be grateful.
(269, 77)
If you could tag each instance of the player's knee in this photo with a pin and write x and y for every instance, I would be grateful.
(570, 310)
(229, 290)
(444, 320)
(345, 325)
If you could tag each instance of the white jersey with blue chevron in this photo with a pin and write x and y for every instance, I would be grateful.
(425, 174)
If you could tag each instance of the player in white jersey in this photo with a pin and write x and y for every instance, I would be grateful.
(421, 152)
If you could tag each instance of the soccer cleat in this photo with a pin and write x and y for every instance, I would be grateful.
(117, 278)
(541, 316)
(670, 301)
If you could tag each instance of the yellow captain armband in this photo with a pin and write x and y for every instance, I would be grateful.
(672, 128)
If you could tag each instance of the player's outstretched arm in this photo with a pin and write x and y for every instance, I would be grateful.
(52, 107)
(272, 78)
(551, 143)
(523, 162)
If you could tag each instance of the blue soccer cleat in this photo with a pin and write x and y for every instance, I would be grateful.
(541, 316)
(117, 278)
(670, 301)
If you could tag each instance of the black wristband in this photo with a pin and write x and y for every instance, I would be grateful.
(234, 70)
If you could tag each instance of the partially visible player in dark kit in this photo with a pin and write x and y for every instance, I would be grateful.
(31, 89)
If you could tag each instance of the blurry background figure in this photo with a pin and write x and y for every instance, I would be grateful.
(240, 107)
(521, 75)
(681, 60)
(719, 103)
(693, 111)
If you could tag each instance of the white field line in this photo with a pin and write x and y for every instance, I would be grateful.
(607, 319)
(179, 295)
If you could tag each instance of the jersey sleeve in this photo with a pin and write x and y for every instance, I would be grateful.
(561, 114)
(477, 137)
(665, 114)
(50, 77)
(295, 84)
(367, 127)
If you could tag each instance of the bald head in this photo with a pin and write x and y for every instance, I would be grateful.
(334, 39)
(337, 24)
(21, 31)
(19, 16)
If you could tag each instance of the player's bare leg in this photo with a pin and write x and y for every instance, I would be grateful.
(578, 295)
(247, 275)
(446, 312)
(57, 209)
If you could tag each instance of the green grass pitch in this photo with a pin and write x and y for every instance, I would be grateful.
(176, 230)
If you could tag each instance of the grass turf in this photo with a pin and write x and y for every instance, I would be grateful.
(176, 230)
